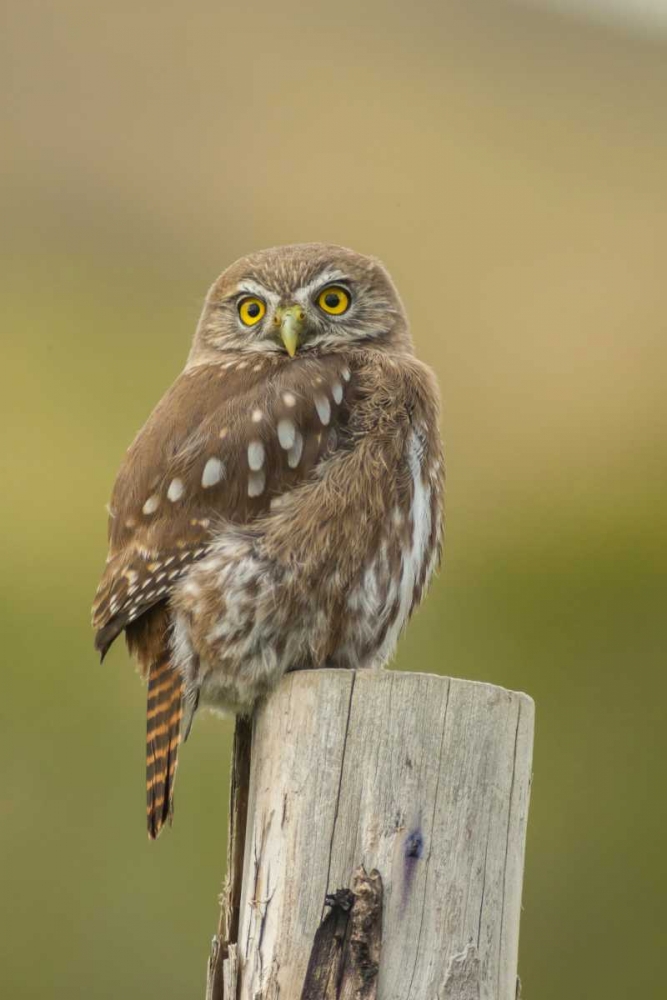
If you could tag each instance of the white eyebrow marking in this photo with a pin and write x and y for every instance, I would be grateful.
(322, 279)
(249, 287)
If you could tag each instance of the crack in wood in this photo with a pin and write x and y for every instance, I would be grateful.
(340, 777)
(509, 826)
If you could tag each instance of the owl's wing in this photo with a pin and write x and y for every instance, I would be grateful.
(387, 486)
(334, 571)
(224, 442)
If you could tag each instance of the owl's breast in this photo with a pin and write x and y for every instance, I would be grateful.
(247, 616)
(399, 565)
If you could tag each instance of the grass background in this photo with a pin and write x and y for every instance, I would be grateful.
(508, 165)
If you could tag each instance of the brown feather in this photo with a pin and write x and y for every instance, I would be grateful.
(164, 711)
(274, 512)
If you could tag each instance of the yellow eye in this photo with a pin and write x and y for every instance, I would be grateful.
(334, 300)
(251, 310)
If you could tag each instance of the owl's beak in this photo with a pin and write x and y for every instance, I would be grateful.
(290, 321)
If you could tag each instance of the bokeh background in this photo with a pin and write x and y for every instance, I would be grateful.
(508, 162)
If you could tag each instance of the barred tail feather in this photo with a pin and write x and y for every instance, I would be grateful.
(164, 711)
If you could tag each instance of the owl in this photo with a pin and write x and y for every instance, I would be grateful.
(281, 509)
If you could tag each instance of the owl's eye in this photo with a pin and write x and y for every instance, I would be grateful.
(334, 300)
(251, 310)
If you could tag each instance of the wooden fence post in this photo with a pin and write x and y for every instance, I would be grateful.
(422, 780)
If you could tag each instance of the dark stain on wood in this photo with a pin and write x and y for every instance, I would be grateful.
(345, 958)
(413, 850)
(414, 845)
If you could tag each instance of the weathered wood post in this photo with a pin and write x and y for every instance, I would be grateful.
(422, 779)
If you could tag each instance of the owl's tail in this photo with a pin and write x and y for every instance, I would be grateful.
(164, 711)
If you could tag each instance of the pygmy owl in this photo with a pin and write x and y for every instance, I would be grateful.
(281, 509)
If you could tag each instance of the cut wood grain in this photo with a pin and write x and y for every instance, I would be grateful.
(425, 779)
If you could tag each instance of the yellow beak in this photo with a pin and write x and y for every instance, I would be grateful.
(290, 321)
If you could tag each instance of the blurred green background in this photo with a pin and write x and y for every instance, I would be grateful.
(508, 163)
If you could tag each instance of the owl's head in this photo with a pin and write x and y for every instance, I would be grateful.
(311, 297)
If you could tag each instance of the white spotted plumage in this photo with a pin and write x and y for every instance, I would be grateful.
(175, 490)
(256, 483)
(279, 510)
(286, 433)
(323, 407)
(151, 505)
(213, 471)
(255, 455)
(295, 451)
